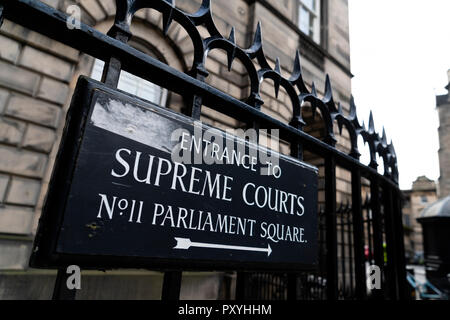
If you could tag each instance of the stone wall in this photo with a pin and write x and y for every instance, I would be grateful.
(422, 194)
(443, 105)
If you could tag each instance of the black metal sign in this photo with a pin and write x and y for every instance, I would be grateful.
(137, 185)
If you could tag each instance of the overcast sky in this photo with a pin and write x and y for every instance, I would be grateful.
(400, 54)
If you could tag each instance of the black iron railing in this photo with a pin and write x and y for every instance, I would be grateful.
(344, 230)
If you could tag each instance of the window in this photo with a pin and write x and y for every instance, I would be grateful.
(134, 85)
(423, 199)
(309, 18)
(407, 220)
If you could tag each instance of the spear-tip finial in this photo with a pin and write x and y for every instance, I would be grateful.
(167, 18)
(371, 123)
(328, 89)
(277, 79)
(231, 38)
(232, 53)
(383, 137)
(313, 89)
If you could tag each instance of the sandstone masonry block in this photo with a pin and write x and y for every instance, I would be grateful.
(46, 63)
(51, 3)
(39, 138)
(9, 49)
(94, 9)
(53, 90)
(11, 131)
(15, 220)
(109, 6)
(285, 112)
(39, 41)
(14, 255)
(33, 110)
(17, 78)
(23, 191)
(3, 96)
(22, 162)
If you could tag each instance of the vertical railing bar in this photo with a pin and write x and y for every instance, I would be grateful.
(292, 286)
(369, 233)
(270, 278)
(257, 292)
(350, 250)
(267, 278)
(401, 262)
(296, 152)
(265, 282)
(330, 211)
(377, 231)
(343, 256)
(320, 291)
(196, 111)
(113, 66)
(171, 286)
(281, 288)
(241, 276)
(61, 291)
(391, 250)
(240, 286)
(277, 281)
(259, 287)
(358, 234)
(262, 280)
(111, 72)
(276, 292)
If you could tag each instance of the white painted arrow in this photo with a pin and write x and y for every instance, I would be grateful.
(185, 244)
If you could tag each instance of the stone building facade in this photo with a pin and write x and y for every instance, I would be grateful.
(443, 107)
(37, 79)
(422, 194)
